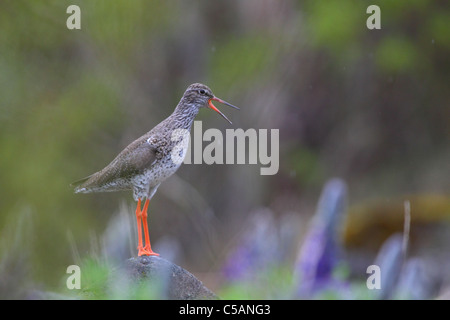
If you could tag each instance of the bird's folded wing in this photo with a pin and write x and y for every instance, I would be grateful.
(132, 160)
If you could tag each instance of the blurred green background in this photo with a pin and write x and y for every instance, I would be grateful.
(369, 106)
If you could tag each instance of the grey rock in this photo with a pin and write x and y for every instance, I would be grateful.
(175, 282)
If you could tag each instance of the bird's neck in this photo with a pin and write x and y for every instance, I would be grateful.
(184, 114)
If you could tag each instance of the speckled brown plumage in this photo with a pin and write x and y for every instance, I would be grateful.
(147, 161)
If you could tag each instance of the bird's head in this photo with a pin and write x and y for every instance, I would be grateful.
(201, 96)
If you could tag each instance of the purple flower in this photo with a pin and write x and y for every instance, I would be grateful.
(319, 253)
(256, 248)
(390, 260)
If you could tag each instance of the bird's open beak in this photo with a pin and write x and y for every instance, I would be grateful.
(217, 110)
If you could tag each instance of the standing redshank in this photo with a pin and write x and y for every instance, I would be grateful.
(146, 162)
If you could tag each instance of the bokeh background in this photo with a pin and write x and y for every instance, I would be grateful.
(370, 107)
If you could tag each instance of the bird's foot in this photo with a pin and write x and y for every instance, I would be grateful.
(147, 251)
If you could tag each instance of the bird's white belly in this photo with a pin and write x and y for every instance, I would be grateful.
(160, 172)
(145, 184)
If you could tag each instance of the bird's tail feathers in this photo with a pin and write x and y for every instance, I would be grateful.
(78, 185)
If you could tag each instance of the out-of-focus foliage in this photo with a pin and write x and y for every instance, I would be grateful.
(369, 106)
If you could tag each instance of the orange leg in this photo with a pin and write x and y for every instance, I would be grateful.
(139, 228)
(141, 217)
(148, 247)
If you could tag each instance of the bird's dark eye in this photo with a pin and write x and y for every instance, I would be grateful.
(201, 91)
